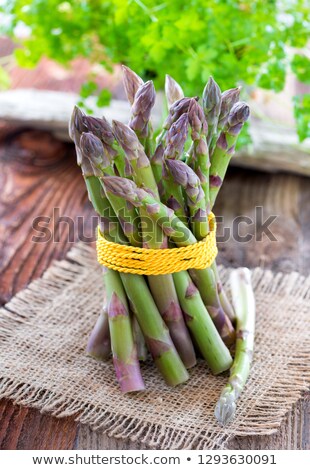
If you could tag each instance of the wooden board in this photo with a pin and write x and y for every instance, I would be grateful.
(38, 173)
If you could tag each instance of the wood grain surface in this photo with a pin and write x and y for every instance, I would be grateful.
(38, 174)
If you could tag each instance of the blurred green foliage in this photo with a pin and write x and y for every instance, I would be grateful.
(248, 41)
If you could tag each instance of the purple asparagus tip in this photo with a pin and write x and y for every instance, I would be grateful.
(182, 173)
(212, 96)
(239, 113)
(132, 82)
(121, 187)
(125, 136)
(100, 128)
(173, 91)
(197, 120)
(142, 107)
(76, 125)
(176, 137)
(177, 109)
(229, 98)
(93, 150)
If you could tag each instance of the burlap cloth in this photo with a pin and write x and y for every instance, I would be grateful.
(43, 333)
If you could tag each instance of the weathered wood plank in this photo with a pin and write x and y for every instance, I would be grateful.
(27, 429)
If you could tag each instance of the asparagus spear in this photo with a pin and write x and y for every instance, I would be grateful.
(123, 347)
(139, 339)
(172, 194)
(143, 103)
(199, 161)
(206, 279)
(227, 307)
(199, 322)
(162, 287)
(173, 91)
(211, 101)
(244, 303)
(99, 343)
(125, 357)
(134, 151)
(199, 155)
(225, 147)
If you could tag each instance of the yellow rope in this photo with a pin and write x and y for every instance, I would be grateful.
(134, 260)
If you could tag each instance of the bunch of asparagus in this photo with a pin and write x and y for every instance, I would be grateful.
(157, 192)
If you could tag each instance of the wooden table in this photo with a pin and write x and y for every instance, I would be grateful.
(38, 174)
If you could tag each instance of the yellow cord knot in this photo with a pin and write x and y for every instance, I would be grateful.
(135, 260)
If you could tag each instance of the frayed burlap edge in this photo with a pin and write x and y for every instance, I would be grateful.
(26, 305)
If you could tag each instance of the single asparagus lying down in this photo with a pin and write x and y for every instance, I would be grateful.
(244, 304)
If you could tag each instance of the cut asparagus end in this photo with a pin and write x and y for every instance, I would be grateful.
(225, 409)
(128, 376)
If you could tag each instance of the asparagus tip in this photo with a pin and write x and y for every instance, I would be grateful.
(173, 90)
(132, 82)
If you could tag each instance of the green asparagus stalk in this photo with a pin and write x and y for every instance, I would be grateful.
(225, 303)
(173, 91)
(99, 343)
(211, 101)
(162, 287)
(200, 324)
(157, 161)
(244, 303)
(225, 147)
(125, 357)
(139, 339)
